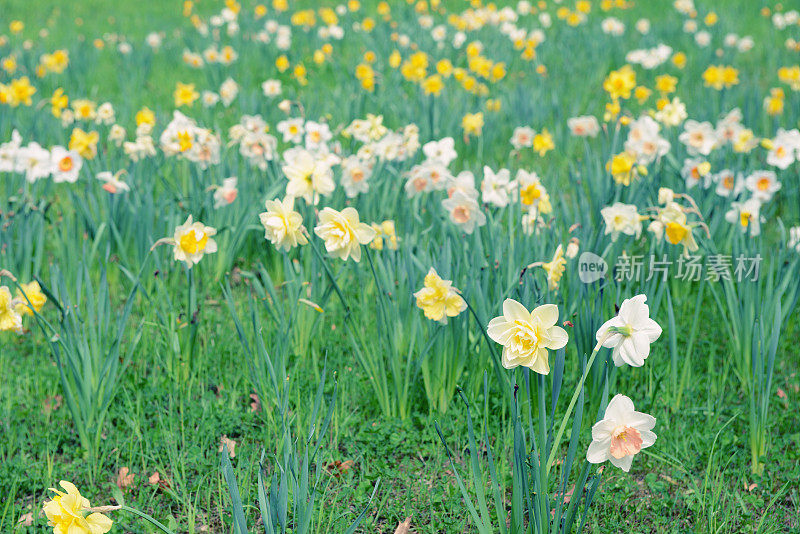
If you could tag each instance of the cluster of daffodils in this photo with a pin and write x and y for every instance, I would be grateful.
(28, 299)
(184, 138)
(528, 337)
(62, 164)
(670, 220)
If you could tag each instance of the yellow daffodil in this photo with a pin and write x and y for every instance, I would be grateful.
(10, 319)
(191, 241)
(84, 143)
(185, 94)
(343, 233)
(438, 299)
(283, 226)
(555, 268)
(527, 336)
(30, 292)
(66, 512)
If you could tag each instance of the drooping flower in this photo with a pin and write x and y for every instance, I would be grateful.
(283, 227)
(630, 333)
(343, 233)
(34, 294)
(438, 299)
(66, 513)
(621, 434)
(555, 268)
(527, 336)
(10, 318)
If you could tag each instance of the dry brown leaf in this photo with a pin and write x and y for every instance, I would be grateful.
(51, 404)
(255, 403)
(225, 441)
(338, 467)
(124, 478)
(26, 520)
(404, 527)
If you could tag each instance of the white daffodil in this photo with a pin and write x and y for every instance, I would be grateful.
(621, 434)
(630, 333)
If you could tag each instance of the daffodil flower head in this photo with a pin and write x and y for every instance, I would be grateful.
(527, 336)
(191, 241)
(10, 318)
(30, 292)
(438, 299)
(283, 227)
(66, 513)
(621, 434)
(630, 333)
(343, 233)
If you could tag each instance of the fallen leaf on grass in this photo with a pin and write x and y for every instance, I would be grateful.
(26, 520)
(404, 527)
(51, 404)
(338, 468)
(255, 403)
(124, 478)
(225, 441)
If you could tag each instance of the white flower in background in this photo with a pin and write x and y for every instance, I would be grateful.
(309, 174)
(621, 219)
(283, 227)
(343, 233)
(228, 91)
(117, 134)
(699, 137)
(9, 153)
(66, 164)
(153, 40)
(258, 148)
(442, 151)
(112, 183)
(746, 215)
(702, 38)
(271, 88)
(794, 238)
(464, 211)
(621, 434)
(317, 135)
(630, 333)
(643, 26)
(430, 175)
(785, 148)
(673, 113)
(292, 130)
(355, 176)
(612, 26)
(209, 99)
(522, 137)
(728, 183)
(464, 183)
(584, 126)
(763, 185)
(527, 336)
(645, 141)
(105, 114)
(495, 187)
(225, 194)
(34, 161)
(696, 171)
(729, 126)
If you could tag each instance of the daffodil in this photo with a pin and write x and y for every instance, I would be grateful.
(343, 233)
(438, 299)
(30, 292)
(555, 268)
(527, 336)
(66, 512)
(191, 241)
(10, 318)
(283, 226)
(630, 333)
(621, 434)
